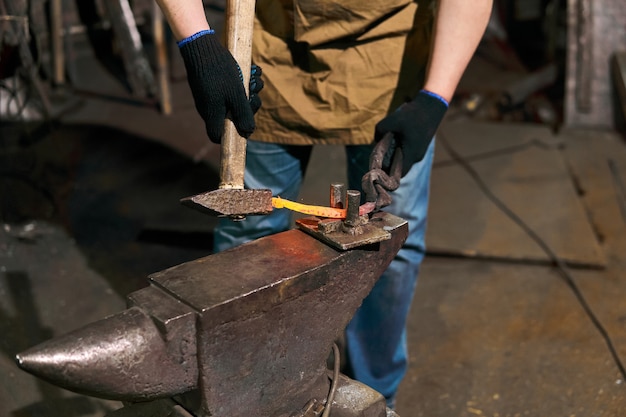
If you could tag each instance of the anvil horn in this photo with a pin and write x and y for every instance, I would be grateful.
(121, 357)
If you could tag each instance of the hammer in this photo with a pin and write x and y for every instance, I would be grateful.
(231, 199)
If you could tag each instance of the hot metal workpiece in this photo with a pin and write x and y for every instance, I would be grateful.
(353, 231)
(245, 332)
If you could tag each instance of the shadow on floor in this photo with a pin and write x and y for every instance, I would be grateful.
(116, 194)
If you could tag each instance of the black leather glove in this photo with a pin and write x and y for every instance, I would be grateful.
(413, 126)
(216, 84)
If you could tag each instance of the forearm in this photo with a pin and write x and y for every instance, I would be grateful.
(459, 26)
(185, 17)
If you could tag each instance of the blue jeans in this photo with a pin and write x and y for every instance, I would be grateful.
(376, 341)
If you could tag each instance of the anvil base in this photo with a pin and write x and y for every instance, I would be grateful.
(352, 399)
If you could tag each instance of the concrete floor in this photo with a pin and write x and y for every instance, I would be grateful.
(90, 208)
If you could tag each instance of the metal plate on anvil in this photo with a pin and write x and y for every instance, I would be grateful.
(377, 229)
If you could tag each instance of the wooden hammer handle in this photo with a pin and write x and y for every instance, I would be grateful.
(239, 25)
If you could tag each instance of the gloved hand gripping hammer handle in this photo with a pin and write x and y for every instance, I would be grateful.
(239, 25)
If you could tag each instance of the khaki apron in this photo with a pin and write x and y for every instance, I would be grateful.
(333, 69)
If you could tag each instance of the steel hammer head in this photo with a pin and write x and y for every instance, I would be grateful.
(232, 202)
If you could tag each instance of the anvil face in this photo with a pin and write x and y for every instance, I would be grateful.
(248, 329)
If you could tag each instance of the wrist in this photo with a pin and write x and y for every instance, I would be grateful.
(436, 96)
(195, 36)
(442, 87)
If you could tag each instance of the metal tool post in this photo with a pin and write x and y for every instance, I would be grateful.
(353, 231)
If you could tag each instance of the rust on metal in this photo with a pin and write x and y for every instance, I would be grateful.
(337, 234)
(354, 228)
(232, 202)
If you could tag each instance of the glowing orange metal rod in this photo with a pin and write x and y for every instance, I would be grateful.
(319, 211)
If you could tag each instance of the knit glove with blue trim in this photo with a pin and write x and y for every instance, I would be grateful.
(217, 85)
(402, 139)
(413, 126)
(256, 85)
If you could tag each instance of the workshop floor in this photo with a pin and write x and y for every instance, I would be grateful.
(90, 207)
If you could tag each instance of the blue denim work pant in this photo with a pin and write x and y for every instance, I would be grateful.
(376, 337)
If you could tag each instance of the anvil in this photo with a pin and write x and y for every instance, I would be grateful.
(245, 332)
